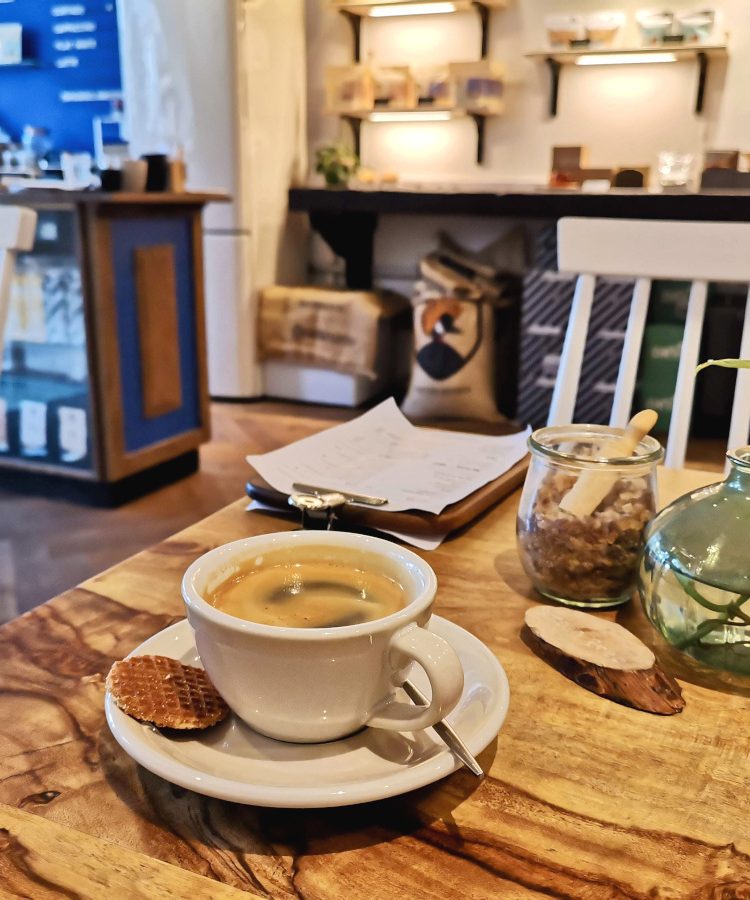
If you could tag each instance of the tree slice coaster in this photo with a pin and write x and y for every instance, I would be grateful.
(602, 657)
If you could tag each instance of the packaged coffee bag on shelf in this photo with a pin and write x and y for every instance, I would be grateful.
(453, 366)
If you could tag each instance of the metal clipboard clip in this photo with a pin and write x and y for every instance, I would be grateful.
(318, 502)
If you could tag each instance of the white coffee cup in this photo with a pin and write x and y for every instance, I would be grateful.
(320, 684)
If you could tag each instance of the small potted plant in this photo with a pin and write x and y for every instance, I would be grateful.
(336, 163)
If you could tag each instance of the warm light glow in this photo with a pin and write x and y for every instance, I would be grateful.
(619, 59)
(412, 115)
(412, 9)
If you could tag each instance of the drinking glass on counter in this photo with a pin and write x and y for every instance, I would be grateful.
(588, 557)
(674, 169)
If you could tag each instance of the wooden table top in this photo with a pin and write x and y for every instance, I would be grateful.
(583, 798)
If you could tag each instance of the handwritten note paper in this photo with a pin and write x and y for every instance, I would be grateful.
(382, 454)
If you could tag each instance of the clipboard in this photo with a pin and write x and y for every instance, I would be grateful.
(424, 524)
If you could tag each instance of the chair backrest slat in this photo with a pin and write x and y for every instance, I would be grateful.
(699, 252)
(679, 424)
(569, 373)
(631, 350)
(739, 428)
(686, 251)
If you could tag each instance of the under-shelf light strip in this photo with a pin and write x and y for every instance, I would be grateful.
(417, 115)
(411, 9)
(618, 59)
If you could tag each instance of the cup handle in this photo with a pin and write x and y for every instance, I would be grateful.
(443, 668)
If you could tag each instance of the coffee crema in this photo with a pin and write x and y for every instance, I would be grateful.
(314, 594)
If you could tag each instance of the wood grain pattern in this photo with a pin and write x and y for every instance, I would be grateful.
(156, 302)
(43, 860)
(102, 344)
(584, 799)
(650, 690)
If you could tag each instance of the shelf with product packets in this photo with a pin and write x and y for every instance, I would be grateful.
(103, 386)
(370, 93)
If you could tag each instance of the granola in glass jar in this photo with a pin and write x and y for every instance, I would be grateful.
(586, 560)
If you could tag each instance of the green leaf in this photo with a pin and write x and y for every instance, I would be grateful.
(725, 363)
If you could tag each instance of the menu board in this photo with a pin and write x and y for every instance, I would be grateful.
(70, 72)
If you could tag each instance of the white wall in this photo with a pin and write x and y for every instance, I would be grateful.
(623, 114)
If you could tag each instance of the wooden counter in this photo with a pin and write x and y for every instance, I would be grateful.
(44, 196)
(532, 203)
(347, 219)
(584, 798)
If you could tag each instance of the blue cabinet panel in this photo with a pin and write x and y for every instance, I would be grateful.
(127, 235)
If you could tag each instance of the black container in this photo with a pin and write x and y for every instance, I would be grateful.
(111, 180)
(157, 178)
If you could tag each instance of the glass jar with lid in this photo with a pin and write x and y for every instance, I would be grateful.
(588, 557)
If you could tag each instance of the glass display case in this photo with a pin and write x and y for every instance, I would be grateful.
(45, 399)
(103, 391)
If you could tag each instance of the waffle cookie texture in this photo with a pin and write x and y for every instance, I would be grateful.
(165, 692)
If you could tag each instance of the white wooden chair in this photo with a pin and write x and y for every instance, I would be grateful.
(17, 226)
(700, 252)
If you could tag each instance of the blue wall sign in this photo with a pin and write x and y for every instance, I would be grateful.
(71, 72)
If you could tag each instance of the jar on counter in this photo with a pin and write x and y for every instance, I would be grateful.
(588, 559)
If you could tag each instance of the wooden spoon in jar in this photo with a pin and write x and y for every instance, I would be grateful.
(592, 485)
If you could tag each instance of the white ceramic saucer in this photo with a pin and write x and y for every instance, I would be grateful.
(232, 762)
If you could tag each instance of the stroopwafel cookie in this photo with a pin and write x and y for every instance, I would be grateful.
(165, 692)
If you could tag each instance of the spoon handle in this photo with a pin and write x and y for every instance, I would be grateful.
(454, 742)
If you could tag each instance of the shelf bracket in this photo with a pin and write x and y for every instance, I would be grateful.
(356, 25)
(480, 122)
(355, 124)
(484, 20)
(554, 87)
(700, 96)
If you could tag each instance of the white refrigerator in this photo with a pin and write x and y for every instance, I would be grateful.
(223, 82)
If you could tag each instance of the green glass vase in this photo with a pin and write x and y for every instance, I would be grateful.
(694, 576)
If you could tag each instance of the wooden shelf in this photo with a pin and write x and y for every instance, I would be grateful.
(354, 119)
(410, 114)
(365, 8)
(681, 51)
(556, 59)
(355, 12)
(41, 196)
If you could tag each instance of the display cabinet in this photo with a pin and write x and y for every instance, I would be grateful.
(103, 370)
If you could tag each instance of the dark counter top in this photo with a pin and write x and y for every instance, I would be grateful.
(726, 206)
